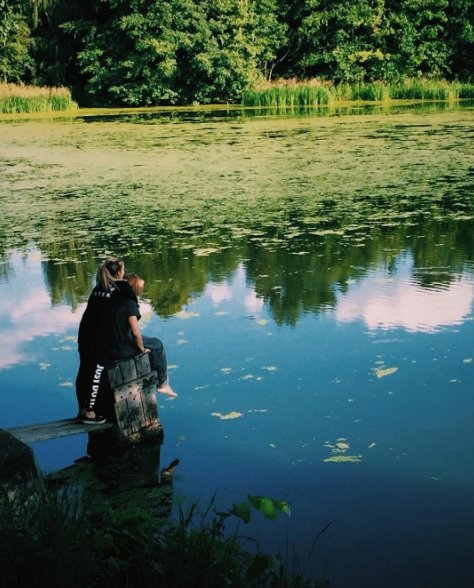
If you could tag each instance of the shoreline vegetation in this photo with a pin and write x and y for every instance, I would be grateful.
(17, 99)
(180, 52)
(75, 538)
(293, 93)
(281, 94)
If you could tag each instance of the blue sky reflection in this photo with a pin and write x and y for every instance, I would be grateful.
(388, 300)
(26, 311)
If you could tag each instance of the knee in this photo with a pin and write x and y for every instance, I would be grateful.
(153, 343)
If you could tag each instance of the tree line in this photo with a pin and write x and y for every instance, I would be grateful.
(150, 52)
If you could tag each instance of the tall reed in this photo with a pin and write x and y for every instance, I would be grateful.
(16, 99)
(288, 94)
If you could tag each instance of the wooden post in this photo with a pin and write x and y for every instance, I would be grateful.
(134, 387)
(134, 410)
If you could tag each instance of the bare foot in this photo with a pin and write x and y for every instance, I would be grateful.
(166, 389)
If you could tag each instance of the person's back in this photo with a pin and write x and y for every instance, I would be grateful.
(104, 332)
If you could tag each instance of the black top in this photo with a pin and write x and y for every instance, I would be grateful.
(104, 332)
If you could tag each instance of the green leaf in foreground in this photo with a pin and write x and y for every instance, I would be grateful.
(269, 507)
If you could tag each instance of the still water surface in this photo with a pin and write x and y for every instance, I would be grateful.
(313, 281)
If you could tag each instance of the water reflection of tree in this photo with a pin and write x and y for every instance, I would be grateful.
(306, 276)
(174, 277)
(296, 270)
(68, 277)
(440, 255)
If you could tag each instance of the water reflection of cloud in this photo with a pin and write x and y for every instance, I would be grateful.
(384, 302)
(237, 290)
(26, 311)
(219, 292)
(253, 303)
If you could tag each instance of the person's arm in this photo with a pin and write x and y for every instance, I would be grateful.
(136, 335)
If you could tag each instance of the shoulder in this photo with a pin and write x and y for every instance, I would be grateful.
(126, 290)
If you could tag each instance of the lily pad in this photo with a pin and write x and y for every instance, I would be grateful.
(383, 372)
(228, 416)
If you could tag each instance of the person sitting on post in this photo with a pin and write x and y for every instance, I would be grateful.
(153, 345)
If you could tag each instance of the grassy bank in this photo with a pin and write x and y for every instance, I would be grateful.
(291, 93)
(66, 539)
(18, 99)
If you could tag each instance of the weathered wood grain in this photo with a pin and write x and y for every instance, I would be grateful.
(53, 429)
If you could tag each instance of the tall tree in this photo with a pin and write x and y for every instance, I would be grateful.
(418, 39)
(173, 51)
(379, 39)
(338, 40)
(16, 64)
(460, 35)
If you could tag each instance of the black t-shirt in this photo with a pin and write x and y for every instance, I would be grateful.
(104, 332)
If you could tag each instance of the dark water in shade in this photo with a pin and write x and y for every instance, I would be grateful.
(313, 281)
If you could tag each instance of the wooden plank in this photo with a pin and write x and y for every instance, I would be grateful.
(142, 363)
(135, 406)
(135, 409)
(54, 429)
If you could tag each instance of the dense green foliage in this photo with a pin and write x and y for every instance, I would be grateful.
(144, 52)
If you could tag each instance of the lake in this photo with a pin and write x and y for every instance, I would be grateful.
(312, 278)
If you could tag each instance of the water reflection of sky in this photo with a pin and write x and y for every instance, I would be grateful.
(238, 290)
(386, 300)
(396, 407)
(382, 299)
(26, 311)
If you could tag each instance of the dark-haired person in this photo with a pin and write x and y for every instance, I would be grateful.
(158, 361)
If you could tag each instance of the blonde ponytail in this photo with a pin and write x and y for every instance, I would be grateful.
(107, 272)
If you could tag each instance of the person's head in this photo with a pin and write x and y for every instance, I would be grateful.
(136, 283)
(110, 271)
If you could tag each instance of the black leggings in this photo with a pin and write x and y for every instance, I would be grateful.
(90, 383)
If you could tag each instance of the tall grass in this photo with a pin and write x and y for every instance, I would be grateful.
(62, 540)
(288, 94)
(15, 99)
